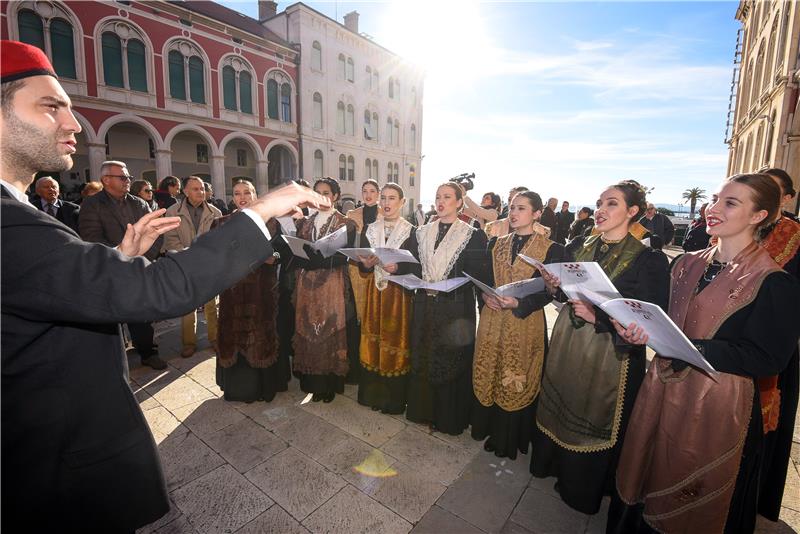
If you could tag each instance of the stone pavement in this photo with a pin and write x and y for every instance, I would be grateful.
(292, 466)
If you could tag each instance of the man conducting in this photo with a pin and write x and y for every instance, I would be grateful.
(77, 454)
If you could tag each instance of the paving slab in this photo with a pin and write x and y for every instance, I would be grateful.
(440, 521)
(297, 483)
(221, 501)
(406, 491)
(170, 516)
(271, 414)
(488, 490)
(359, 421)
(208, 416)
(180, 525)
(463, 440)
(163, 424)
(184, 458)
(353, 512)
(273, 521)
(439, 460)
(145, 400)
(205, 372)
(541, 513)
(245, 444)
(791, 492)
(176, 393)
(358, 463)
(143, 375)
(310, 434)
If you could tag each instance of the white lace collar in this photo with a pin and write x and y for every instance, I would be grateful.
(377, 238)
(437, 264)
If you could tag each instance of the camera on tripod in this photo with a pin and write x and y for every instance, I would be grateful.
(464, 180)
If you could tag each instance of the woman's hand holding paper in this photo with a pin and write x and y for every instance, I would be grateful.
(633, 334)
(584, 310)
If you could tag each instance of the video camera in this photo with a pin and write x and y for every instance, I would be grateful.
(464, 180)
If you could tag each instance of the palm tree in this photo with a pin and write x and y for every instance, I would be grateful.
(692, 196)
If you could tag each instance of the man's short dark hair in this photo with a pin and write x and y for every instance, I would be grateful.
(7, 92)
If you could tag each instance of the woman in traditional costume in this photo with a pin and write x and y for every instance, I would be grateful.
(690, 461)
(443, 325)
(363, 216)
(385, 326)
(590, 379)
(324, 304)
(512, 335)
(249, 367)
(779, 394)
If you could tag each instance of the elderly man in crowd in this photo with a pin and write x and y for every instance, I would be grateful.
(660, 227)
(47, 191)
(564, 219)
(104, 219)
(196, 218)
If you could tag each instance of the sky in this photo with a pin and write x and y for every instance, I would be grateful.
(566, 98)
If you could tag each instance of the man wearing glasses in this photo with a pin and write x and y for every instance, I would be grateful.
(104, 219)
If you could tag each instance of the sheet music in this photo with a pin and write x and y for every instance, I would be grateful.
(519, 289)
(386, 256)
(296, 245)
(331, 243)
(409, 281)
(288, 226)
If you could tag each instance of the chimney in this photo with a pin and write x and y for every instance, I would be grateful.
(351, 21)
(267, 9)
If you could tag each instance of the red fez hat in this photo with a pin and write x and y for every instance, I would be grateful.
(20, 60)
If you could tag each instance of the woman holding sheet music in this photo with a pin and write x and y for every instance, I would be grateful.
(385, 325)
(443, 325)
(591, 378)
(690, 461)
(325, 320)
(512, 335)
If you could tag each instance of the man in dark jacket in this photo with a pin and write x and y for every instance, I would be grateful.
(77, 454)
(47, 200)
(213, 201)
(660, 227)
(549, 216)
(104, 219)
(564, 220)
(696, 236)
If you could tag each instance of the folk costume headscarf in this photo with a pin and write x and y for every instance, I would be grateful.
(677, 458)
(580, 404)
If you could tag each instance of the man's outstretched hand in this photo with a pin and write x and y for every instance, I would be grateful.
(287, 200)
(139, 237)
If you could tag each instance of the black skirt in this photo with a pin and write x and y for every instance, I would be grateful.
(508, 432)
(244, 383)
(384, 393)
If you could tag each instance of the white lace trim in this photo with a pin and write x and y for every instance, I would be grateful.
(375, 235)
(437, 264)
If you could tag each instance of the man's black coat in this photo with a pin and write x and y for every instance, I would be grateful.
(67, 212)
(77, 454)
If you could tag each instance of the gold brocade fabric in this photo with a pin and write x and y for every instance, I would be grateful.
(509, 352)
(585, 377)
(385, 330)
(359, 282)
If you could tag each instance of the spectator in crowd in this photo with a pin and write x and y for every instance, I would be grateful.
(511, 194)
(500, 227)
(104, 219)
(419, 216)
(696, 236)
(564, 219)
(583, 224)
(549, 215)
(488, 210)
(660, 227)
(168, 190)
(196, 219)
(216, 202)
(786, 184)
(144, 190)
(90, 189)
(47, 200)
(430, 214)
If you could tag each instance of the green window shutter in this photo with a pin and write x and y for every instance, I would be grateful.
(137, 68)
(112, 60)
(177, 78)
(229, 88)
(272, 99)
(63, 48)
(31, 29)
(245, 92)
(286, 102)
(197, 80)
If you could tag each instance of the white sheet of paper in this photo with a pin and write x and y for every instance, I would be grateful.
(664, 336)
(552, 268)
(519, 289)
(386, 256)
(331, 243)
(296, 244)
(410, 281)
(287, 226)
(586, 281)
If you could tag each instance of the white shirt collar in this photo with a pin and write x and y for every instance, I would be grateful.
(16, 193)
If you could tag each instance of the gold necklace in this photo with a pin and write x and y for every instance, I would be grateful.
(604, 247)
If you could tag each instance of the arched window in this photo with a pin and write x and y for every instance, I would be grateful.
(124, 62)
(340, 117)
(770, 139)
(769, 73)
(396, 134)
(342, 66)
(351, 168)
(757, 152)
(756, 89)
(177, 76)
(316, 56)
(197, 89)
(286, 102)
(389, 131)
(389, 169)
(350, 70)
(391, 87)
(396, 176)
(112, 60)
(272, 99)
(397, 89)
(368, 133)
(186, 72)
(237, 86)
(350, 120)
(137, 65)
(317, 111)
(413, 140)
(412, 174)
(780, 52)
(368, 169)
(229, 87)
(376, 125)
(342, 167)
(375, 169)
(318, 173)
(53, 35)
(245, 92)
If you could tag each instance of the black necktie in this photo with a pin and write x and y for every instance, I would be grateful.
(51, 210)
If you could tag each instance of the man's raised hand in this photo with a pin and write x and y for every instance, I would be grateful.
(287, 200)
(140, 236)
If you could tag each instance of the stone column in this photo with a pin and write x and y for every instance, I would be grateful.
(262, 176)
(97, 155)
(218, 179)
(163, 164)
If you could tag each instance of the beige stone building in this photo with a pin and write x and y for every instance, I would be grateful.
(764, 117)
